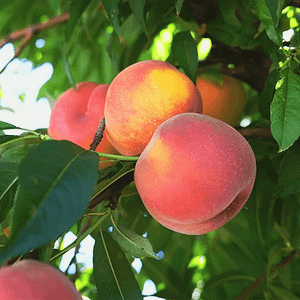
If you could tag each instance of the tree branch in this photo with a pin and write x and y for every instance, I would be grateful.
(256, 133)
(259, 280)
(28, 33)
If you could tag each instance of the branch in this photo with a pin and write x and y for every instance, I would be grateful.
(28, 33)
(259, 280)
(113, 192)
(256, 133)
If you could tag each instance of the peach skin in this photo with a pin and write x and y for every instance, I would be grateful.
(195, 174)
(143, 96)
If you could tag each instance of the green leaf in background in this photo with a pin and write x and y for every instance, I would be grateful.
(137, 7)
(133, 243)
(289, 172)
(56, 181)
(112, 272)
(268, 13)
(112, 9)
(66, 65)
(178, 5)
(285, 110)
(184, 50)
(76, 10)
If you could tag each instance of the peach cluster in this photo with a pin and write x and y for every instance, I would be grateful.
(195, 172)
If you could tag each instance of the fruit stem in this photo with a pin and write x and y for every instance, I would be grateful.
(98, 135)
(84, 235)
(118, 157)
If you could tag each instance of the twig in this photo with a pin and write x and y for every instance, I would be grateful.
(98, 135)
(256, 133)
(28, 33)
(259, 280)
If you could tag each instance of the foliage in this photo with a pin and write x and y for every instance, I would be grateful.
(50, 187)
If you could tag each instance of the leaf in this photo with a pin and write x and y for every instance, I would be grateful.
(112, 272)
(66, 66)
(137, 7)
(289, 173)
(4, 125)
(268, 13)
(8, 183)
(133, 243)
(282, 293)
(285, 110)
(178, 5)
(76, 10)
(56, 180)
(185, 53)
(112, 9)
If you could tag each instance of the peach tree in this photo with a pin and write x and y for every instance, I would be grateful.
(49, 188)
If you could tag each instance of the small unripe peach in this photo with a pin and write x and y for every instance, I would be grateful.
(196, 173)
(76, 116)
(31, 279)
(143, 96)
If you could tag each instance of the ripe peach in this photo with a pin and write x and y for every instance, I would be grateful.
(196, 173)
(76, 116)
(225, 101)
(143, 96)
(31, 279)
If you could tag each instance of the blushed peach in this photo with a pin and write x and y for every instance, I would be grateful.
(76, 116)
(31, 279)
(196, 173)
(143, 96)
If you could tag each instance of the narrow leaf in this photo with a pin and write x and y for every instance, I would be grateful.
(178, 5)
(285, 110)
(76, 10)
(4, 125)
(56, 181)
(185, 53)
(137, 7)
(112, 272)
(112, 9)
(133, 243)
(66, 66)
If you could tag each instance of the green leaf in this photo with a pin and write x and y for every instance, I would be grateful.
(56, 180)
(285, 110)
(112, 9)
(282, 293)
(66, 66)
(76, 10)
(4, 125)
(268, 13)
(8, 183)
(289, 173)
(185, 53)
(133, 243)
(178, 5)
(112, 272)
(137, 7)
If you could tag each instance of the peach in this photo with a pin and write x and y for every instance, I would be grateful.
(31, 279)
(224, 101)
(76, 116)
(195, 174)
(143, 96)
